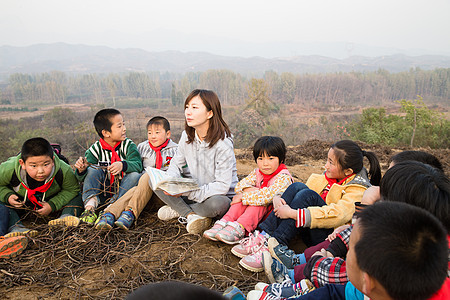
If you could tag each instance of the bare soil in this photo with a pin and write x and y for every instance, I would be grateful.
(81, 263)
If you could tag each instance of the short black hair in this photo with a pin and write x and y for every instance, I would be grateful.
(161, 121)
(37, 146)
(404, 248)
(270, 145)
(421, 156)
(420, 185)
(102, 120)
(173, 290)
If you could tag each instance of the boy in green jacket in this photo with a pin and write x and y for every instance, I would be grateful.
(38, 180)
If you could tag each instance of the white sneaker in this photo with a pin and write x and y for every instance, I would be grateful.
(197, 224)
(166, 213)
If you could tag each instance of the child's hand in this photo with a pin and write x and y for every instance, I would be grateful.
(81, 164)
(278, 202)
(14, 201)
(45, 210)
(236, 199)
(285, 212)
(322, 252)
(333, 235)
(115, 168)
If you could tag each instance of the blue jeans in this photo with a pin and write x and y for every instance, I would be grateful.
(4, 219)
(297, 196)
(96, 182)
(212, 207)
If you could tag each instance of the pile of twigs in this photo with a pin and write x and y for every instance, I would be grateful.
(83, 263)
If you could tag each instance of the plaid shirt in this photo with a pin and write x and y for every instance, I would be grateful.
(326, 270)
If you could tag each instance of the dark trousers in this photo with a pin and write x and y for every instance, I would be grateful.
(297, 196)
(327, 292)
(4, 219)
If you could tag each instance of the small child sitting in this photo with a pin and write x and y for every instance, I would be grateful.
(156, 152)
(254, 193)
(412, 265)
(37, 179)
(118, 153)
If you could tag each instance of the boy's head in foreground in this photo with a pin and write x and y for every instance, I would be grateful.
(158, 131)
(37, 158)
(109, 125)
(397, 251)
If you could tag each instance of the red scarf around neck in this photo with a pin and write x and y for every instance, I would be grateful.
(266, 178)
(114, 156)
(332, 181)
(31, 192)
(158, 153)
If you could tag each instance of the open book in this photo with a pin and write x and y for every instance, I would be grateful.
(172, 185)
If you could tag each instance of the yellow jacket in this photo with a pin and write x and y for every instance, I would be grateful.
(340, 199)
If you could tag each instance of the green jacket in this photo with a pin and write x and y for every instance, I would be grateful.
(57, 196)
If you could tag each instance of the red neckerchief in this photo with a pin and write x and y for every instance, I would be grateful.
(114, 156)
(158, 153)
(41, 189)
(331, 181)
(266, 178)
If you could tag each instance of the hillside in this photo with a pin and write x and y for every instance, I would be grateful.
(81, 59)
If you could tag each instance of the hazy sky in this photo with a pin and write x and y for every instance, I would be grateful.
(186, 24)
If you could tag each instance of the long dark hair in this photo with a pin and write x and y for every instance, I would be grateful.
(350, 155)
(218, 129)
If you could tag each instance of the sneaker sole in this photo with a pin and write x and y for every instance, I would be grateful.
(250, 268)
(29, 233)
(199, 226)
(261, 286)
(271, 246)
(212, 238)
(70, 221)
(227, 242)
(14, 247)
(267, 264)
(121, 225)
(103, 227)
(240, 255)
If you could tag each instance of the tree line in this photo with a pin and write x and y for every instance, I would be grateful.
(330, 91)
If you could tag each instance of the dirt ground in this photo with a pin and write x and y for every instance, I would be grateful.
(81, 263)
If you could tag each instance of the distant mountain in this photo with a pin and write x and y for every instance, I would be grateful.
(82, 59)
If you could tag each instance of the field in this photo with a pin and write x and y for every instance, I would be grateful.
(80, 263)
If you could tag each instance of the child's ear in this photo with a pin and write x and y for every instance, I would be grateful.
(168, 134)
(348, 171)
(368, 284)
(22, 163)
(106, 133)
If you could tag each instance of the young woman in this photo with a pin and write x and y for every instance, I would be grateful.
(206, 147)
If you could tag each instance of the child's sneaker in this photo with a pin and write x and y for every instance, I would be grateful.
(261, 295)
(105, 221)
(283, 254)
(275, 271)
(12, 246)
(231, 234)
(88, 216)
(66, 220)
(20, 230)
(125, 220)
(233, 293)
(249, 245)
(197, 224)
(253, 262)
(286, 289)
(212, 232)
(166, 213)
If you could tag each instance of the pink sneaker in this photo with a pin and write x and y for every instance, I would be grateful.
(254, 262)
(212, 232)
(249, 245)
(231, 234)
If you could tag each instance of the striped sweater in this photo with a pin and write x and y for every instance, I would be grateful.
(127, 151)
